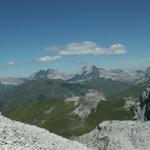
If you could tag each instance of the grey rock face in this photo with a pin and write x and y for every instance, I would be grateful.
(119, 135)
(18, 136)
(88, 103)
(84, 105)
(50, 74)
(92, 72)
(86, 73)
(130, 102)
(142, 108)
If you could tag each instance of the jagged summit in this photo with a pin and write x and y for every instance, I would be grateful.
(86, 73)
(87, 69)
(18, 136)
(93, 72)
(49, 73)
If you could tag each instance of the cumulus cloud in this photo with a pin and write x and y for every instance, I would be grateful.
(91, 48)
(82, 48)
(48, 58)
(88, 48)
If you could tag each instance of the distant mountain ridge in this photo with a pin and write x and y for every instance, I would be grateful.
(50, 74)
(93, 72)
(86, 73)
(12, 81)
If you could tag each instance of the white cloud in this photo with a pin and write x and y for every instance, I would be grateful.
(11, 63)
(48, 58)
(82, 48)
(88, 48)
(91, 48)
(118, 49)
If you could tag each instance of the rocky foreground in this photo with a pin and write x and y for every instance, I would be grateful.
(109, 135)
(18, 136)
(119, 135)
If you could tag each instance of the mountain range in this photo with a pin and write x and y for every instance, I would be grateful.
(86, 73)
(73, 105)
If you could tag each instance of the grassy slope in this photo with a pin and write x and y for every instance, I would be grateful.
(57, 89)
(28, 103)
(59, 120)
(41, 89)
(109, 87)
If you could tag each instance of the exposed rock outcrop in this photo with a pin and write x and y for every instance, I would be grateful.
(84, 105)
(123, 135)
(142, 108)
(129, 102)
(18, 136)
(119, 135)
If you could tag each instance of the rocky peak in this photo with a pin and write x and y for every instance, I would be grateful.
(89, 69)
(86, 73)
(49, 73)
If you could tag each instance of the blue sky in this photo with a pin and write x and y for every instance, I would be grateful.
(68, 34)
